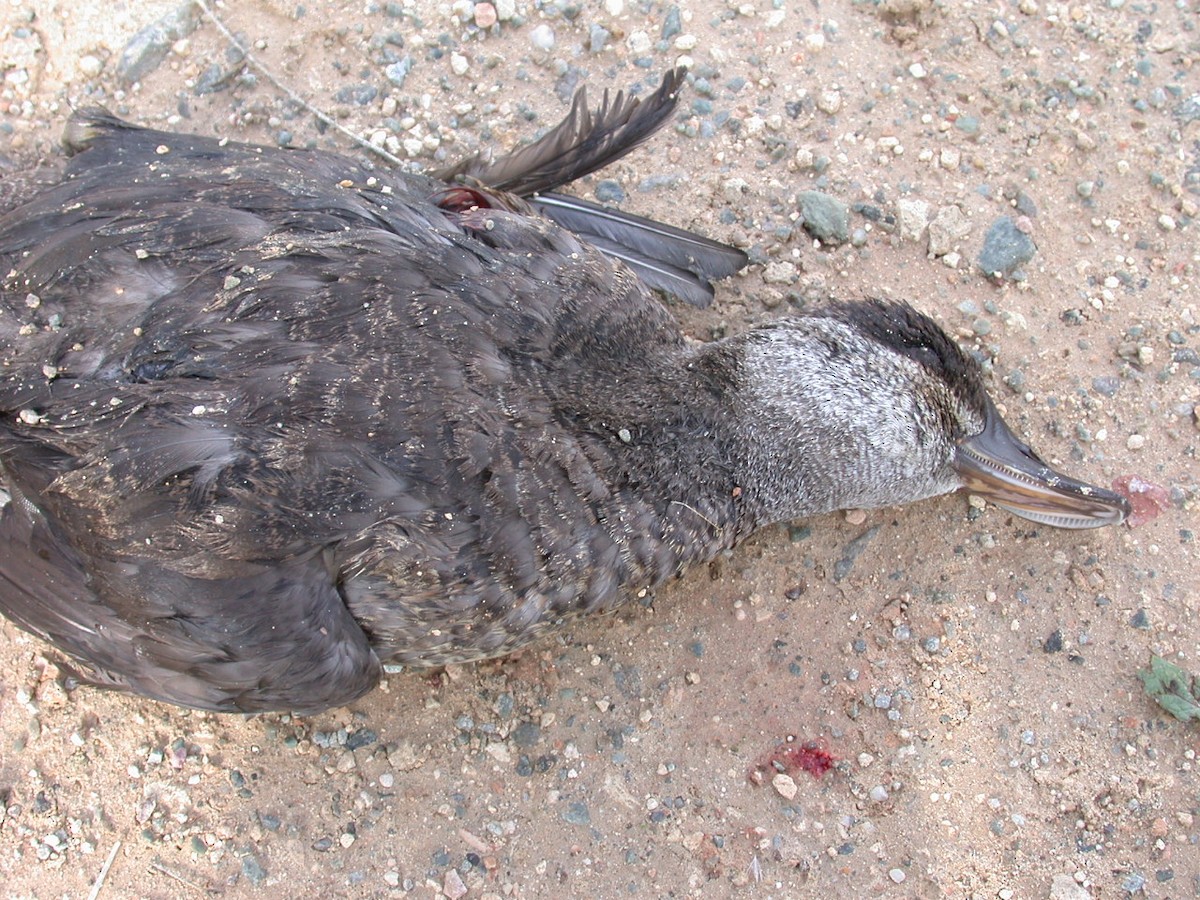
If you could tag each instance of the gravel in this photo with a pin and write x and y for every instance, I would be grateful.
(825, 217)
(1005, 249)
(935, 655)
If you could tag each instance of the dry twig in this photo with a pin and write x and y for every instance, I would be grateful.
(112, 854)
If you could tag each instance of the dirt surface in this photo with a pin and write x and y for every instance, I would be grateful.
(971, 676)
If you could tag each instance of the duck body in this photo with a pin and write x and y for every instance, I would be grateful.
(270, 419)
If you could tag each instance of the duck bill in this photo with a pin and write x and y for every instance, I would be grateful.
(998, 466)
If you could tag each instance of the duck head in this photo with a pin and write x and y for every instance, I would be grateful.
(871, 404)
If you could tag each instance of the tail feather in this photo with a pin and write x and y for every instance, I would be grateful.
(666, 258)
(580, 144)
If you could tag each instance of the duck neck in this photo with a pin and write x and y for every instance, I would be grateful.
(670, 435)
(771, 425)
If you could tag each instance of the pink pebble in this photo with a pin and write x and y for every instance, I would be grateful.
(485, 15)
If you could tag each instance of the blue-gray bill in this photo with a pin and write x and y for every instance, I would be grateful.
(998, 466)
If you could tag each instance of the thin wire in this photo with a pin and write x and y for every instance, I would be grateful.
(292, 95)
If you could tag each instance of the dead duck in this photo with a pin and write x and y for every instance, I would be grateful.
(270, 420)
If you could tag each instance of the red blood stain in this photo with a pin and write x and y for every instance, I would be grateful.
(792, 757)
(1148, 500)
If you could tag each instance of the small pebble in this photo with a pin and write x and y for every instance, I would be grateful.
(913, 218)
(398, 71)
(1065, 887)
(542, 37)
(453, 886)
(639, 43)
(91, 66)
(784, 785)
(485, 15)
(672, 23)
(829, 102)
(253, 869)
(1005, 249)
(576, 813)
(826, 218)
(947, 230)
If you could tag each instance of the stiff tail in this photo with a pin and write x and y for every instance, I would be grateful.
(665, 258)
(580, 144)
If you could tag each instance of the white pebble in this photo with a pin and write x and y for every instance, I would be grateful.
(91, 66)
(916, 70)
(639, 42)
(829, 102)
(1135, 442)
(897, 875)
(459, 64)
(542, 37)
(780, 272)
(614, 7)
(784, 786)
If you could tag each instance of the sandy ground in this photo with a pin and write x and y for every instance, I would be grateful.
(972, 676)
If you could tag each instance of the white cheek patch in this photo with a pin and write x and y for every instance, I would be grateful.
(860, 425)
